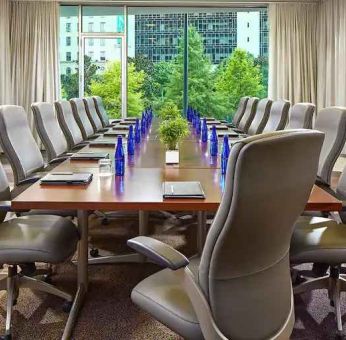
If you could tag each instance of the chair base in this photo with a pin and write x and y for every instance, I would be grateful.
(13, 282)
(334, 283)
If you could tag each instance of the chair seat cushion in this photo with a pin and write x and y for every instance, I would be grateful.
(50, 239)
(164, 298)
(323, 243)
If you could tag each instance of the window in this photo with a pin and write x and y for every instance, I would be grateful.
(91, 55)
(102, 42)
(103, 55)
(90, 27)
(68, 70)
(102, 26)
(68, 56)
(91, 42)
(68, 27)
(68, 41)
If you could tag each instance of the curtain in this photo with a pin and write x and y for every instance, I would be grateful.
(34, 50)
(292, 55)
(331, 87)
(5, 53)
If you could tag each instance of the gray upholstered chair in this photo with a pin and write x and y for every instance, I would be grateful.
(261, 117)
(300, 116)
(48, 129)
(278, 116)
(331, 121)
(323, 243)
(248, 115)
(240, 111)
(241, 287)
(19, 145)
(94, 118)
(68, 124)
(82, 119)
(49, 239)
(100, 109)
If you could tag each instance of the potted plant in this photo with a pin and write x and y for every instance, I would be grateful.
(171, 132)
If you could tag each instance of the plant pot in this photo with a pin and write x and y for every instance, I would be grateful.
(172, 157)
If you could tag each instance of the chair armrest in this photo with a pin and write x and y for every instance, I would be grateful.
(59, 159)
(80, 145)
(29, 180)
(159, 252)
(5, 206)
(103, 130)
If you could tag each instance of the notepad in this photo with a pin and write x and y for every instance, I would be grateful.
(67, 178)
(121, 127)
(103, 142)
(115, 133)
(89, 156)
(182, 190)
(213, 122)
(219, 127)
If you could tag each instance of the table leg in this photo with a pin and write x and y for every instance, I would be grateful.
(201, 230)
(82, 272)
(127, 258)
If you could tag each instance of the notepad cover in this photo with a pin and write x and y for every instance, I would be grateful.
(182, 190)
(89, 156)
(65, 178)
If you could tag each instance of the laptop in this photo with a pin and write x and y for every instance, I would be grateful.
(182, 190)
(66, 178)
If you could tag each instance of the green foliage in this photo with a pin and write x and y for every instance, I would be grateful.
(238, 77)
(108, 87)
(173, 131)
(168, 111)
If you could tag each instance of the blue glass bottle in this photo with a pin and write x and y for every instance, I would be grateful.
(143, 125)
(137, 132)
(224, 155)
(204, 131)
(213, 142)
(198, 126)
(119, 158)
(130, 142)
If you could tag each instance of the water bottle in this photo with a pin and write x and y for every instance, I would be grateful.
(213, 142)
(130, 142)
(204, 131)
(137, 132)
(198, 126)
(224, 155)
(119, 158)
(143, 125)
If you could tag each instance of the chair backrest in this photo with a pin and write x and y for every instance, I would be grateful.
(92, 113)
(300, 116)
(245, 260)
(81, 116)
(240, 111)
(18, 143)
(249, 114)
(331, 121)
(261, 117)
(68, 123)
(101, 111)
(48, 129)
(278, 116)
(5, 193)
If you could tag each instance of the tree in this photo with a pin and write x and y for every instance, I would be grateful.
(70, 82)
(262, 62)
(201, 90)
(239, 77)
(108, 87)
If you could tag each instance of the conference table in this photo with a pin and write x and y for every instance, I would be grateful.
(140, 189)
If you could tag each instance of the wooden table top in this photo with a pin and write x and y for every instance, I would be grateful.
(141, 187)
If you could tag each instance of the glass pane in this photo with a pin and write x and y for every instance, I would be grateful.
(107, 19)
(102, 72)
(155, 51)
(69, 73)
(228, 59)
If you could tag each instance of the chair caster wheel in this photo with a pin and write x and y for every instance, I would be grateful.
(332, 303)
(14, 302)
(47, 279)
(105, 221)
(6, 337)
(340, 336)
(66, 307)
(94, 252)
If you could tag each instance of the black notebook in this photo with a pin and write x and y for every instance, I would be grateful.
(182, 190)
(227, 133)
(115, 133)
(67, 178)
(89, 156)
(102, 142)
(219, 127)
(121, 127)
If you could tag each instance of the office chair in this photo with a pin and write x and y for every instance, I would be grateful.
(323, 243)
(48, 239)
(300, 116)
(331, 121)
(94, 118)
(100, 109)
(50, 133)
(278, 116)
(82, 119)
(240, 111)
(69, 125)
(241, 287)
(248, 115)
(261, 117)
